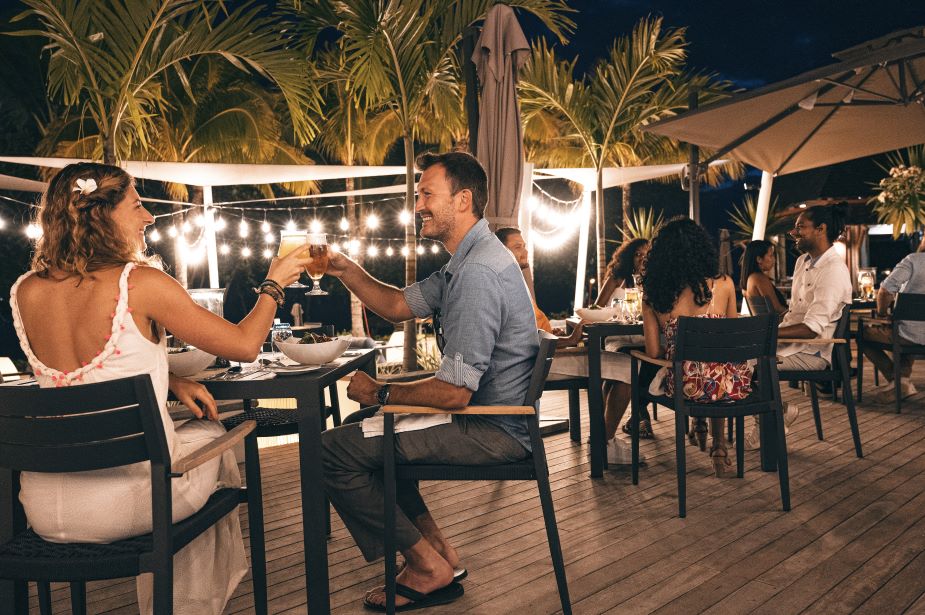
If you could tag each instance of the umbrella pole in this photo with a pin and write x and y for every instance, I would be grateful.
(694, 195)
(764, 204)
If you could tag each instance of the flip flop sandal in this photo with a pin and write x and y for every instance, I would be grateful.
(444, 595)
(645, 430)
(459, 574)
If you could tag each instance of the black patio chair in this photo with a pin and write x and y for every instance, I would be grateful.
(908, 307)
(533, 468)
(839, 370)
(717, 340)
(92, 427)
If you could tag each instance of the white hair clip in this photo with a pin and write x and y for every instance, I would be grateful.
(85, 186)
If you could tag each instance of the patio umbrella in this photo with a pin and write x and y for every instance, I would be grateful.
(500, 52)
(869, 102)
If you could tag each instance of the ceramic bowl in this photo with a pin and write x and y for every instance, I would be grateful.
(597, 315)
(190, 362)
(313, 354)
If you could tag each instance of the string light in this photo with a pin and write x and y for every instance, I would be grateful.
(155, 236)
(344, 224)
(420, 249)
(244, 228)
(389, 251)
(224, 249)
(267, 253)
(404, 250)
(269, 238)
(372, 222)
(353, 247)
(245, 252)
(315, 226)
(220, 224)
(199, 220)
(265, 227)
(372, 251)
(172, 231)
(335, 247)
(434, 248)
(2, 223)
(33, 231)
(404, 217)
(186, 227)
(291, 226)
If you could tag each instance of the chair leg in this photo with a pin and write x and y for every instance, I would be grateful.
(729, 428)
(783, 470)
(335, 404)
(255, 522)
(654, 411)
(814, 397)
(635, 403)
(79, 598)
(390, 498)
(849, 403)
(574, 415)
(163, 589)
(740, 446)
(680, 439)
(897, 382)
(44, 592)
(552, 536)
(861, 368)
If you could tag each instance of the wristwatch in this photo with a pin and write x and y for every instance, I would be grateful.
(382, 395)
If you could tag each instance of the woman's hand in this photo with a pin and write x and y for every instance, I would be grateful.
(189, 392)
(286, 270)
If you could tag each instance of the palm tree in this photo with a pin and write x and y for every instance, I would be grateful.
(402, 57)
(597, 121)
(109, 61)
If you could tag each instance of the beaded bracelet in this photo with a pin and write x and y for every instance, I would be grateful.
(272, 290)
(272, 283)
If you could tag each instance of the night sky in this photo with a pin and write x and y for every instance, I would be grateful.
(750, 43)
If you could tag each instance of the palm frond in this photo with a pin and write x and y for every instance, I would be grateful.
(743, 216)
(643, 224)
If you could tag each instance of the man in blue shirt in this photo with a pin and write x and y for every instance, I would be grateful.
(908, 277)
(485, 328)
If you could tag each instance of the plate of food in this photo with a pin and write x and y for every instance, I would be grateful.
(314, 349)
(596, 313)
(188, 360)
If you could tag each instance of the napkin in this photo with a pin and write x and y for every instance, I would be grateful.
(375, 425)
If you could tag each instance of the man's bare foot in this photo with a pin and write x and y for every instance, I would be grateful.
(425, 571)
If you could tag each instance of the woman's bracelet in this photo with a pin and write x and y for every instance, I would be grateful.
(272, 290)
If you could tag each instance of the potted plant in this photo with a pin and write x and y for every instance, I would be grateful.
(901, 197)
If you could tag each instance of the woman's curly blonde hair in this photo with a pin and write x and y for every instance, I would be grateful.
(78, 235)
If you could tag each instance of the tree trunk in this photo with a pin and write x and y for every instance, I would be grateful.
(599, 228)
(627, 206)
(409, 356)
(353, 215)
(109, 148)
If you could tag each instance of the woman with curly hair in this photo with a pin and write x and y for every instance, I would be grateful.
(682, 279)
(110, 306)
(626, 262)
(757, 262)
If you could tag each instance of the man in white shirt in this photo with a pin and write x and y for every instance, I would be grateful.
(821, 289)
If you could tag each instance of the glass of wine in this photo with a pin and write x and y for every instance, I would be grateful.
(289, 241)
(631, 301)
(866, 284)
(318, 250)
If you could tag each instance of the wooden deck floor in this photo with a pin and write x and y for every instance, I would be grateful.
(854, 541)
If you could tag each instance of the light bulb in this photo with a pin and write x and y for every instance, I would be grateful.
(244, 229)
(434, 248)
(224, 248)
(2, 223)
(199, 220)
(372, 222)
(290, 226)
(245, 252)
(186, 227)
(265, 227)
(344, 224)
(353, 247)
(220, 224)
(267, 253)
(269, 238)
(389, 251)
(315, 226)
(172, 231)
(404, 250)
(404, 216)
(372, 251)
(419, 249)
(335, 247)
(33, 231)
(154, 236)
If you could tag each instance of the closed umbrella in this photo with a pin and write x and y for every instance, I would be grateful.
(500, 52)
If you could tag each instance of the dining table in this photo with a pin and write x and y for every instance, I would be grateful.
(306, 389)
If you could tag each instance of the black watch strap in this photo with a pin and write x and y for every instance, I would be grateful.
(382, 395)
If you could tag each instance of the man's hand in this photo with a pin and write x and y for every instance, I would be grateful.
(189, 392)
(338, 263)
(362, 389)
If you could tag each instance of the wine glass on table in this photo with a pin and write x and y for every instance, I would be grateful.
(318, 250)
(631, 303)
(288, 242)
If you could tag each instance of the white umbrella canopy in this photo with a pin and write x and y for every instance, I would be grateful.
(871, 101)
(500, 52)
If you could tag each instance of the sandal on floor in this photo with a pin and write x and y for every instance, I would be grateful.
(444, 595)
(459, 574)
(645, 429)
(721, 462)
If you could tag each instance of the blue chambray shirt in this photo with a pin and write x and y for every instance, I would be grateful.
(488, 324)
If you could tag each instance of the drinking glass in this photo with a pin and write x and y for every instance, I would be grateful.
(631, 301)
(289, 241)
(866, 284)
(318, 250)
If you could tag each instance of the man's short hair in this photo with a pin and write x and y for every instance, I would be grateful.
(504, 233)
(464, 172)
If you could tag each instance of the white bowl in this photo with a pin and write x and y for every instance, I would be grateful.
(598, 315)
(313, 354)
(190, 362)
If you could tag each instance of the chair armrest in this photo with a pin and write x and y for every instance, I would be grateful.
(812, 341)
(483, 410)
(644, 357)
(876, 321)
(572, 350)
(211, 450)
